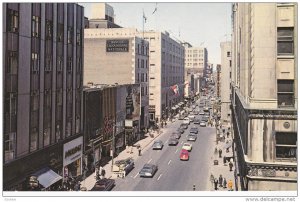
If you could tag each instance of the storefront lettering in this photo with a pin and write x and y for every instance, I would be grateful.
(73, 151)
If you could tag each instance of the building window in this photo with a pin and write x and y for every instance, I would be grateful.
(285, 93)
(59, 64)
(138, 77)
(47, 137)
(49, 30)
(142, 90)
(138, 63)
(33, 139)
(35, 26)
(60, 32)
(146, 64)
(12, 62)
(35, 62)
(78, 37)
(13, 21)
(146, 90)
(70, 35)
(48, 63)
(70, 64)
(57, 133)
(285, 41)
(9, 146)
(142, 61)
(286, 145)
(146, 77)
(138, 50)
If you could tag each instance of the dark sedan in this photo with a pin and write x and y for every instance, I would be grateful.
(104, 185)
(158, 144)
(177, 135)
(184, 126)
(148, 170)
(194, 130)
(180, 130)
(173, 142)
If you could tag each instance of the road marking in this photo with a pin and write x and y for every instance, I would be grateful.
(135, 175)
(176, 151)
(159, 177)
(182, 142)
(169, 162)
(149, 161)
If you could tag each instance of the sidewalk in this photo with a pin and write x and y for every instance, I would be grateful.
(221, 168)
(147, 140)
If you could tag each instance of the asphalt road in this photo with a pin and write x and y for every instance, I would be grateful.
(173, 174)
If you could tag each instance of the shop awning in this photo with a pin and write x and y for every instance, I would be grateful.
(47, 177)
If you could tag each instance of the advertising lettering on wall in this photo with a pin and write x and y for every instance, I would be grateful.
(72, 151)
(117, 45)
(133, 102)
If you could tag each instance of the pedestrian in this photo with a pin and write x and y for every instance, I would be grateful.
(230, 166)
(224, 183)
(216, 150)
(227, 134)
(97, 173)
(216, 184)
(220, 153)
(230, 185)
(220, 181)
(140, 150)
(100, 171)
(103, 173)
(212, 178)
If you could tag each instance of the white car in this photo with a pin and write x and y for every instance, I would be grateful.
(187, 146)
(186, 120)
(202, 123)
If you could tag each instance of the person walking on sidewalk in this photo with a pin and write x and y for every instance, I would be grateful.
(212, 178)
(216, 184)
(230, 166)
(220, 153)
(220, 181)
(140, 150)
(224, 183)
(230, 185)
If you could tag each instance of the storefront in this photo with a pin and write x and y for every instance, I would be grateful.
(72, 158)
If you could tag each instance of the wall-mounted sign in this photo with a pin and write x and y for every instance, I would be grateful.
(72, 151)
(117, 45)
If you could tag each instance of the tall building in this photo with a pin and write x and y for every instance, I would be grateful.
(195, 58)
(42, 92)
(118, 55)
(225, 81)
(265, 94)
(166, 74)
(103, 16)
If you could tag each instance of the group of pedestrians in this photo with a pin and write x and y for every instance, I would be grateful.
(99, 173)
(221, 183)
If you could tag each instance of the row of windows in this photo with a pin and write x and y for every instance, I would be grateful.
(13, 26)
(142, 78)
(142, 63)
(142, 50)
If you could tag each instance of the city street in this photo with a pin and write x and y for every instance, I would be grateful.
(173, 174)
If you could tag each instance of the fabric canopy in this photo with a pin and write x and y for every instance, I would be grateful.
(47, 177)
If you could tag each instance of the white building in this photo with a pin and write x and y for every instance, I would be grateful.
(166, 71)
(225, 81)
(118, 55)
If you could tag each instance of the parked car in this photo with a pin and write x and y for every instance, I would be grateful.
(184, 126)
(173, 141)
(197, 121)
(204, 118)
(124, 165)
(203, 123)
(104, 185)
(148, 170)
(184, 155)
(194, 130)
(191, 117)
(187, 146)
(158, 144)
(191, 137)
(176, 135)
(180, 130)
(201, 113)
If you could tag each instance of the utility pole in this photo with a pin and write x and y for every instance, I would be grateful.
(112, 151)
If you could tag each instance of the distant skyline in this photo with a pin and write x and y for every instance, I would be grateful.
(200, 24)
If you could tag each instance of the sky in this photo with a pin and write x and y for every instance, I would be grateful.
(201, 24)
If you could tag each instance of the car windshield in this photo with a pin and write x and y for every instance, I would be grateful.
(184, 152)
(186, 144)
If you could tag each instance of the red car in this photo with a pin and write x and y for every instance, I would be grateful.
(184, 155)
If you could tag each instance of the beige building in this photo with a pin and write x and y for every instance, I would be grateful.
(225, 81)
(195, 58)
(118, 55)
(166, 70)
(264, 94)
